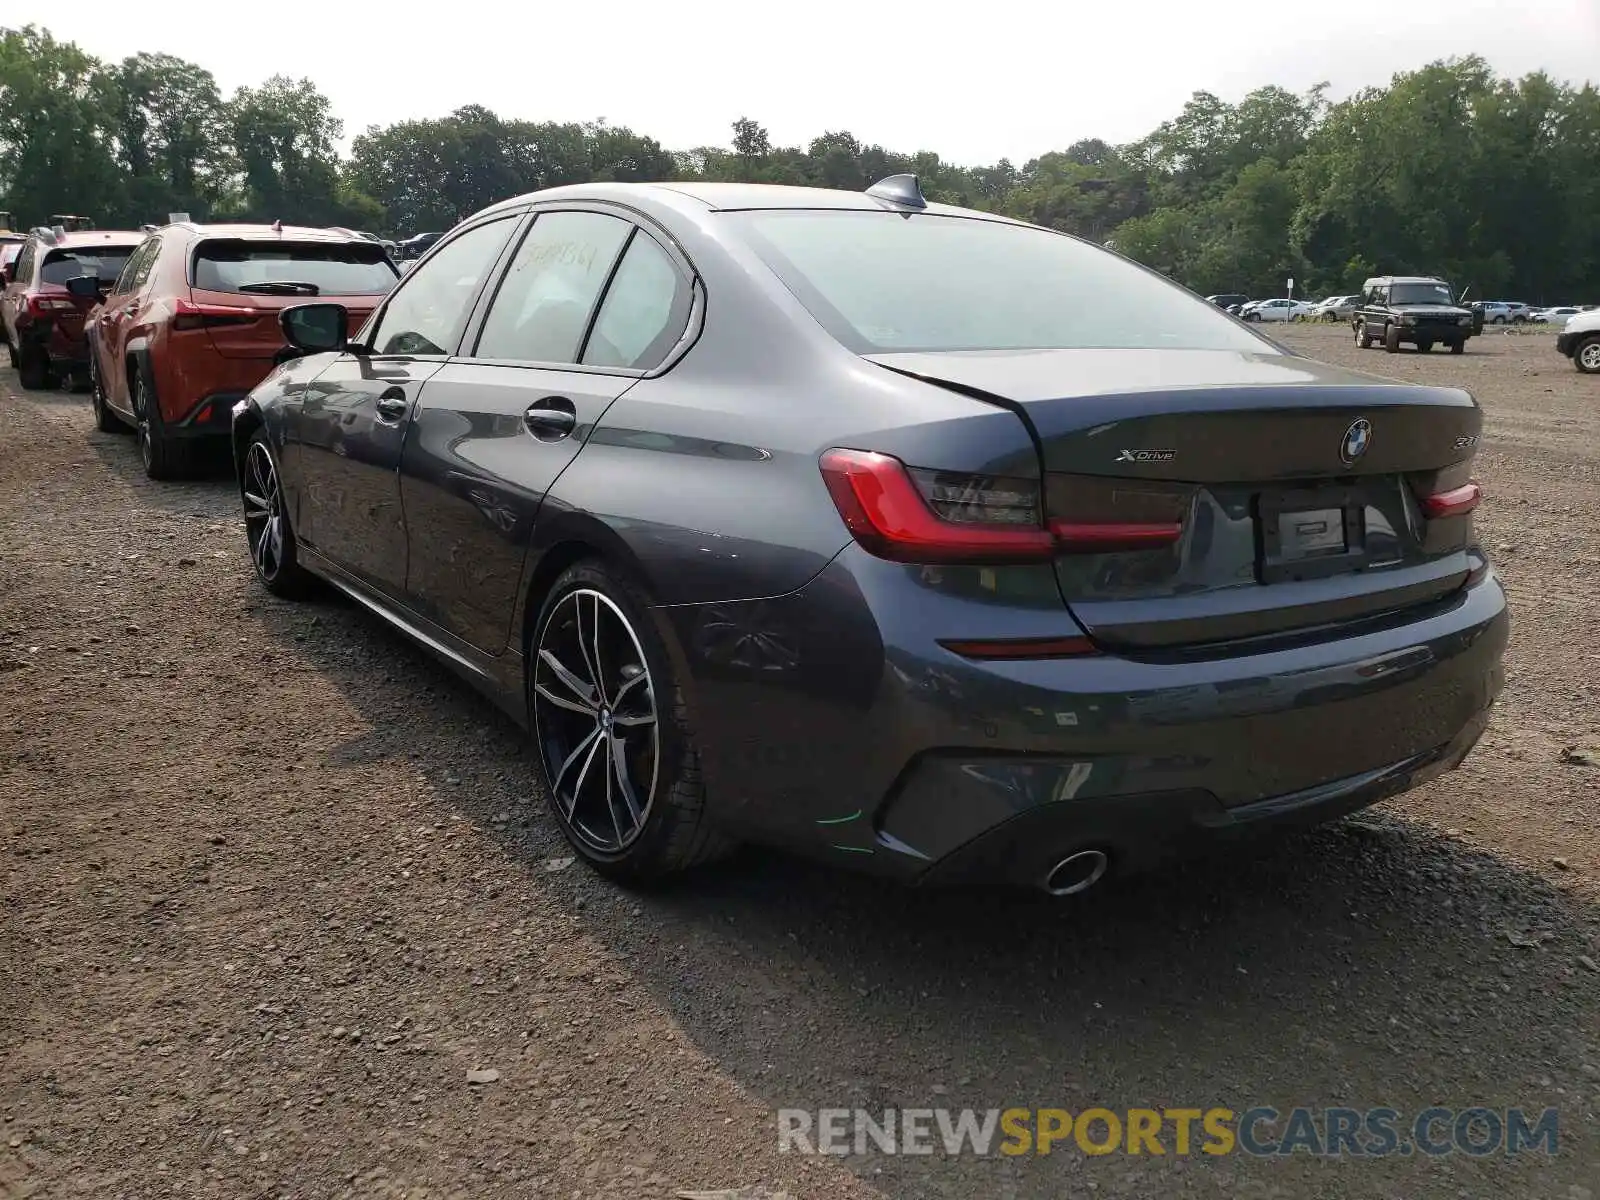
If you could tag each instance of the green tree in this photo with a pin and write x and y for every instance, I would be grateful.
(284, 136)
(169, 136)
(56, 117)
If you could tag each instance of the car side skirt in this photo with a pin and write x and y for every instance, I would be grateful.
(500, 678)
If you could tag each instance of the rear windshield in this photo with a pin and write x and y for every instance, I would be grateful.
(106, 262)
(290, 269)
(883, 282)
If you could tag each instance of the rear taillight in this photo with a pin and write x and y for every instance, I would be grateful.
(48, 306)
(186, 314)
(909, 514)
(935, 516)
(1457, 502)
(1094, 515)
(1449, 492)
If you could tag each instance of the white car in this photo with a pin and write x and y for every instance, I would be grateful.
(1555, 316)
(1276, 310)
(1580, 341)
(1336, 308)
(1505, 312)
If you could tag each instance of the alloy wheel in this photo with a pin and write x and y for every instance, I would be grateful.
(594, 715)
(141, 410)
(263, 512)
(1589, 356)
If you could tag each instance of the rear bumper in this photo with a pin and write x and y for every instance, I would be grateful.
(856, 737)
(65, 351)
(210, 419)
(1139, 831)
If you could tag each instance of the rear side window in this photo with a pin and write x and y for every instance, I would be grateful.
(276, 268)
(104, 262)
(645, 310)
(137, 269)
(883, 282)
(542, 308)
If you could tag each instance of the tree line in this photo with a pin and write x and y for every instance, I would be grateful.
(1490, 182)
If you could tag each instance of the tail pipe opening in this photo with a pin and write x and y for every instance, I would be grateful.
(1076, 873)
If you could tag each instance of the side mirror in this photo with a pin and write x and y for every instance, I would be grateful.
(316, 328)
(84, 287)
(7, 274)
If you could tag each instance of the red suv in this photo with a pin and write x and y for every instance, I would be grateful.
(41, 321)
(191, 326)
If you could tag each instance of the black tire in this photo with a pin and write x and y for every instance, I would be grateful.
(33, 368)
(105, 420)
(1424, 347)
(274, 554)
(1458, 347)
(1363, 339)
(670, 830)
(11, 351)
(1586, 355)
(1391, 339)
(164, 457)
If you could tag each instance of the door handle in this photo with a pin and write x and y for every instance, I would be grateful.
(551, 419)
(392, 404)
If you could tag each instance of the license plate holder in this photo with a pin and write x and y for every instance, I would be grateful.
(1309, 533)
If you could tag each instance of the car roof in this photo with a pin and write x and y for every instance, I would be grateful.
(737, 197)
(266, 233)
(96, 237)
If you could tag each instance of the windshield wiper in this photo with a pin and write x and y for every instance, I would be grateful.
(282, 287)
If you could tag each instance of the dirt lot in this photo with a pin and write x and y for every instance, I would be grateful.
(273, 884)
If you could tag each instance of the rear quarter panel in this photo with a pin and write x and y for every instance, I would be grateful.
(709, 473)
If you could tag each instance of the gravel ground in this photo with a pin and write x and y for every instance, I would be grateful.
(275, 887)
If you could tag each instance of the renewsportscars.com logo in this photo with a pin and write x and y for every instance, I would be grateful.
(1260, 1132)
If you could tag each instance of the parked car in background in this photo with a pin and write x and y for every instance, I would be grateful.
(1506, 312)
(41, 321)
(1555, 316)
(1276, 310)
(1412, 310)
(191, 325)
(389, 246)
(1336, 308)
(1229, 300)
(416, 247)
(1038, 506)
(1579, 340)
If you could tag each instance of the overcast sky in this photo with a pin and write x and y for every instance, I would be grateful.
(975, 82)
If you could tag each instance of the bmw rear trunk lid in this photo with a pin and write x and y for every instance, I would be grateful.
(1206, 496)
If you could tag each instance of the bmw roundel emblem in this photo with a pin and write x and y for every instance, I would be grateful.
(1356, 440)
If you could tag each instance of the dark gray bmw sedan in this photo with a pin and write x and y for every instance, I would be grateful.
(912, 538)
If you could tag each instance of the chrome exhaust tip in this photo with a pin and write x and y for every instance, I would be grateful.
(1076, 873)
